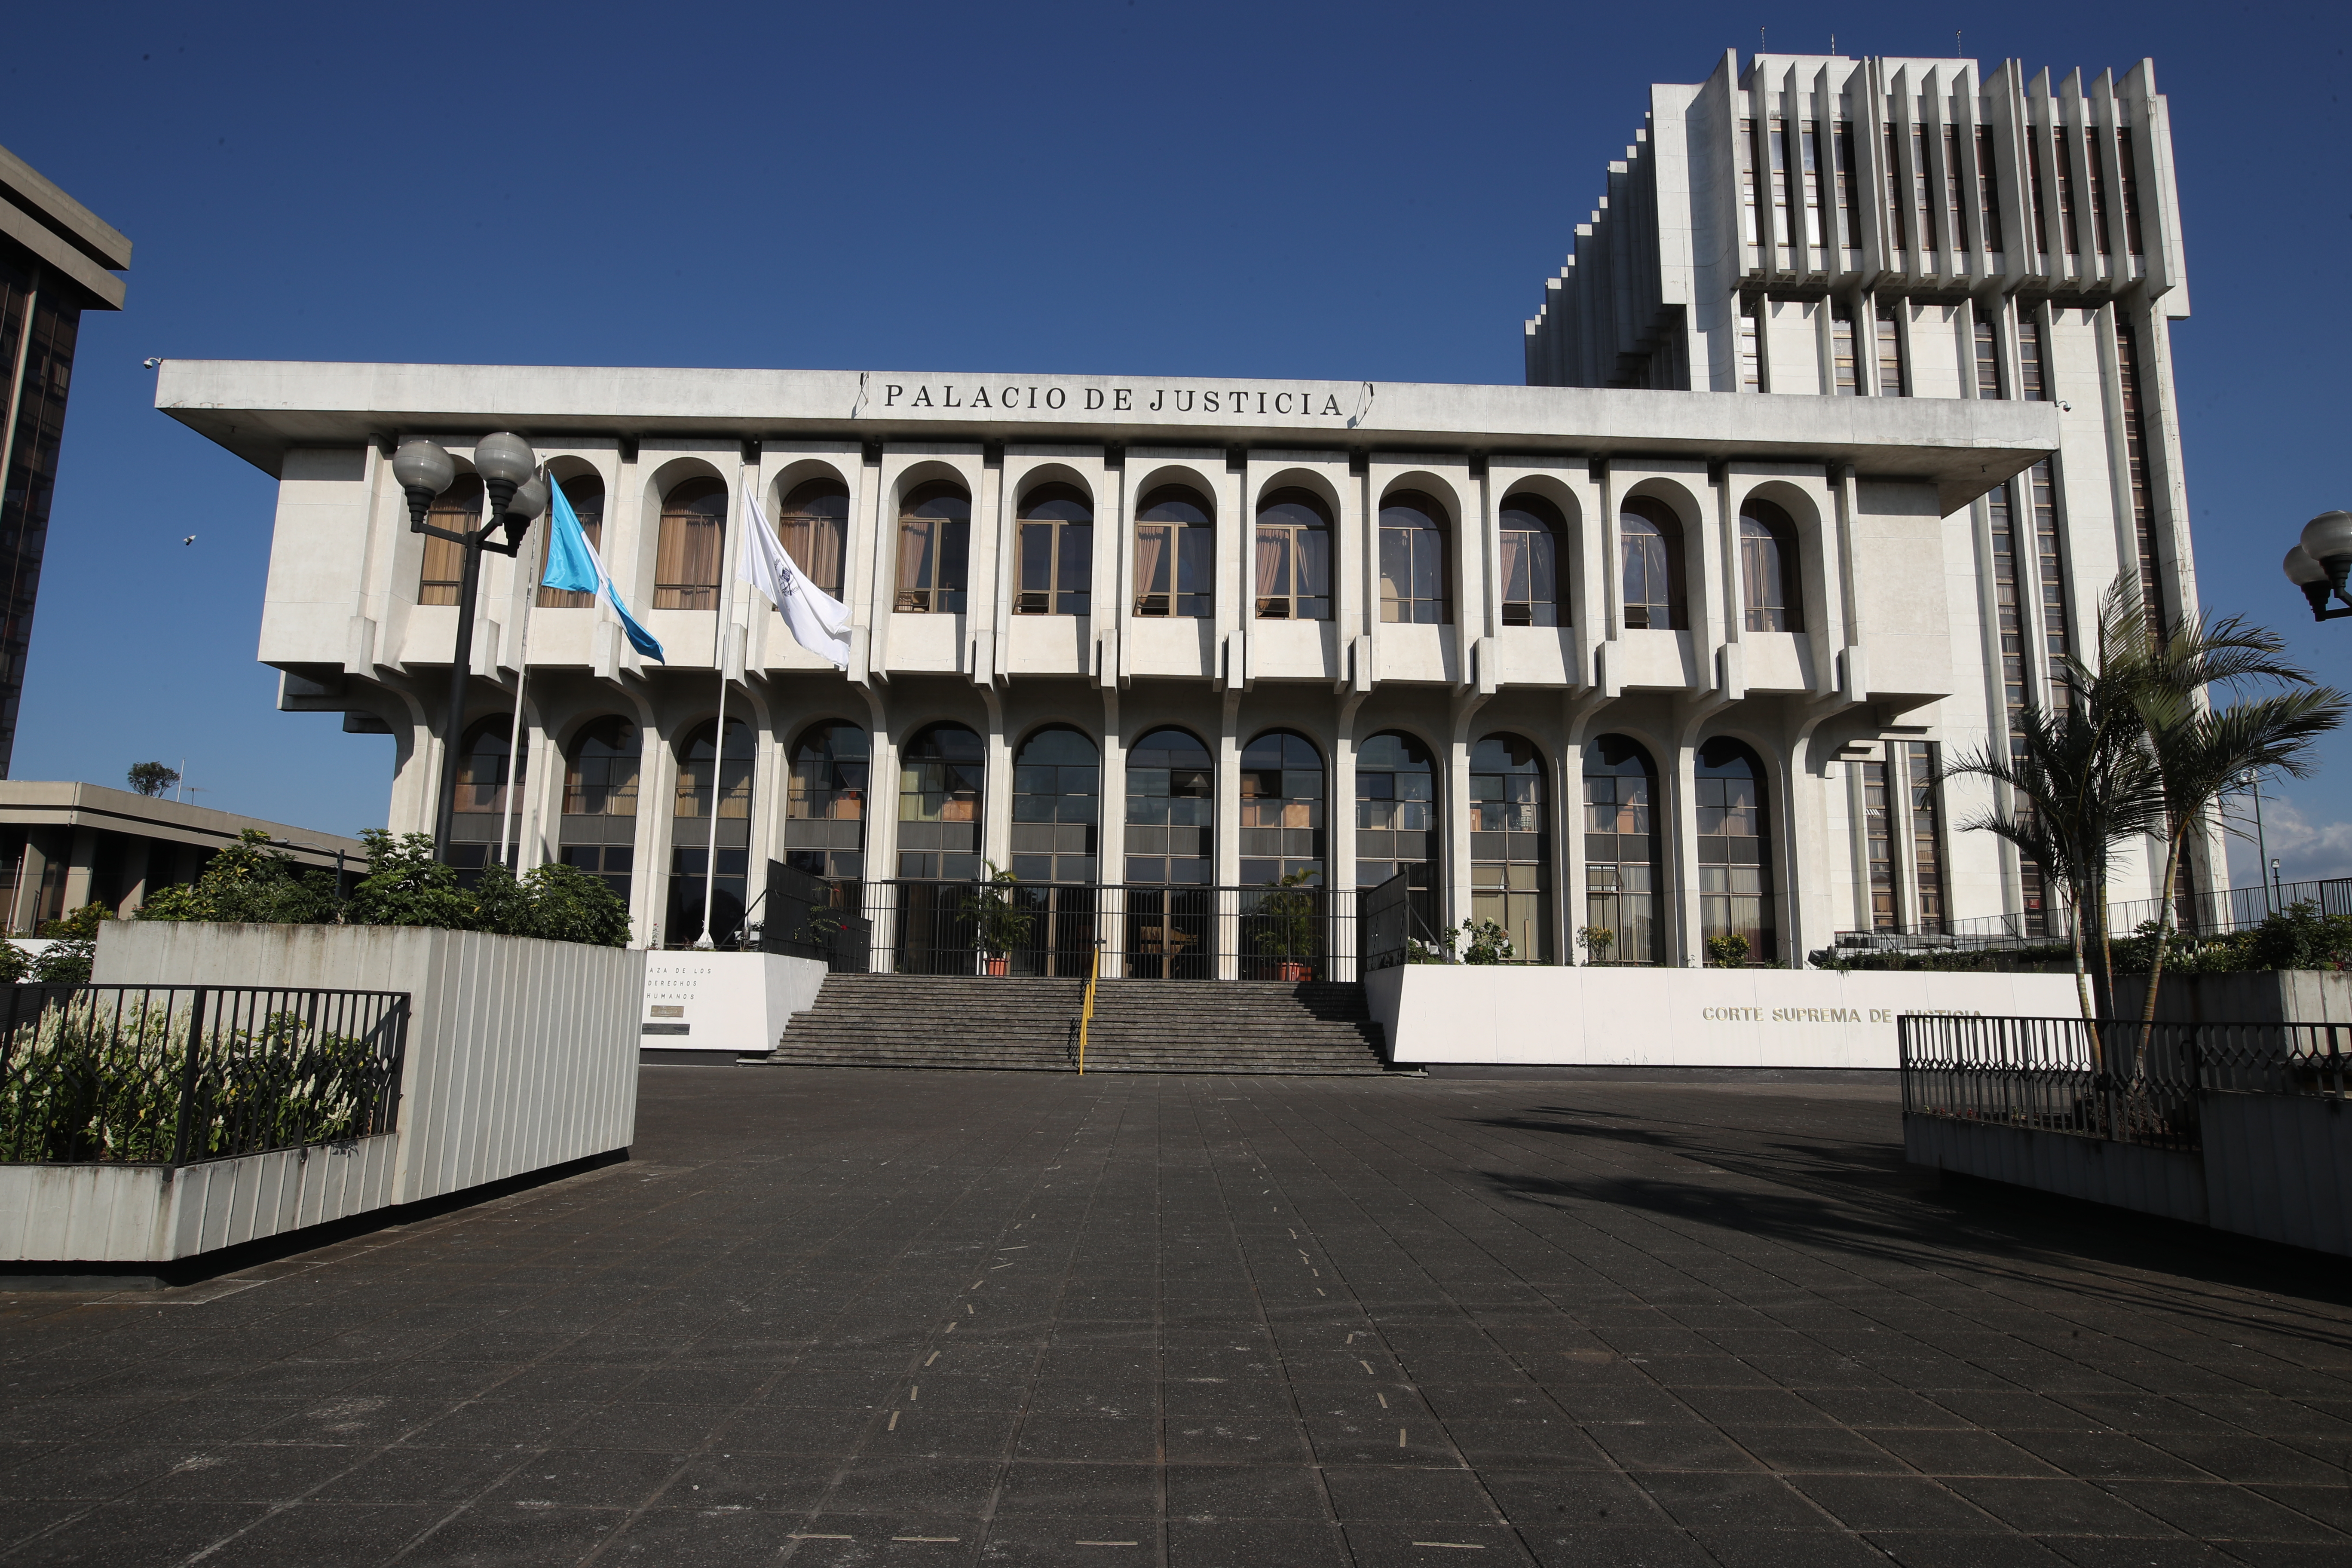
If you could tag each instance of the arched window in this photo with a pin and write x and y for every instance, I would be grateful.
(693, 536)
(459, 509)
(599, 830)
(1734, 869)
(825, 803)
(814, 524)
(1510, 844)
(1623, 869)
(1175, 554)
(1413, 565)
(701, 765)
(934, 544)
(941, 772)
(1293, 557)
(1769, 575)
(1653, 576)
(1058, 553)
(586, 494)
(1282, 808)
(1534, 541)
(1397, 818)
(1171, 810)
(483, 780)
(1057, 805)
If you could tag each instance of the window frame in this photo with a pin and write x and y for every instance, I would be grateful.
(1432, 534)
(1668, 527)
(1552, 523)
(675, 553)
(449, 512)
(1761, 523)
(592, 524)
(1058, 536)
(793, 516)
(947, 556)
(1180, 557)
(1291, 538)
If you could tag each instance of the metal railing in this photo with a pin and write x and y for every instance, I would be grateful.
(1290, 934)
(175, 1075)
(2216, 913)
(2122, 1081)
(1388, 922)
(804, 916)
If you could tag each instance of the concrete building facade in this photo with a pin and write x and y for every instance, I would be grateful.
(1820, 226)
(1611, 652)
(57, 260)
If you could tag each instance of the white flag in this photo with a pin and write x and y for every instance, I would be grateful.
(820, 623)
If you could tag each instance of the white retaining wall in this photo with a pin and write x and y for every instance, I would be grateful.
(730, 1004)
(1594, 1015)
(522, 1054)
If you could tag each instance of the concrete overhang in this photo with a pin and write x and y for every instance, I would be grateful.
(65, 235)
(261, 410)
(40, 803)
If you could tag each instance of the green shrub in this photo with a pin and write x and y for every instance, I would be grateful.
(405, 886)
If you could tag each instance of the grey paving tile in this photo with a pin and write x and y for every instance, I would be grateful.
(1254, 1542)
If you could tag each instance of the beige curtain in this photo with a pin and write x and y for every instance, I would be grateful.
(915, 541)
(1151, 562)
(817, 547)
(1272, 559)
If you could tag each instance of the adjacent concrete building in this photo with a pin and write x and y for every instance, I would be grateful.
(65, 846)
(1619, 651)
(57, 260)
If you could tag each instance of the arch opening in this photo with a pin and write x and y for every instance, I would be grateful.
(814, 526)
(441, 572)
(488, 794)
(1058, 553)
(1510, 845)
(1175, 554)
(934, 549)
(1770, 581)
(1293, 557)
(1397, 821)
(598, 830)
(1652, 578)
(691, 545)
(1417, 567)
(714, 788)
(1534, 538)
(1735, 867)
(1624, 865)
(586, 494)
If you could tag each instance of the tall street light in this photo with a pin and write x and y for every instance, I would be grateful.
(2322, 561)
(505, 463)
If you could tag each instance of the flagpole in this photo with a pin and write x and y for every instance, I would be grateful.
(514, 737)
(718, 746)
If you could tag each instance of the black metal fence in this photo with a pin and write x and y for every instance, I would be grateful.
(2209, 914)
(1388, 922)
(2122, 1081)
(1278, 934)
(804, 916)
(173, 1074)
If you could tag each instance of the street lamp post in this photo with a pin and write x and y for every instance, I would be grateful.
(2320, 564)
(505, 463)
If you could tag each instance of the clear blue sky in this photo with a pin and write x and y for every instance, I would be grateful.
(1363, 191)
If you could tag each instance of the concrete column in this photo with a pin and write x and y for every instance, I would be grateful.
(1684, 945)
(656, 799)
(136, 855)
(81, 856)
(32, 870)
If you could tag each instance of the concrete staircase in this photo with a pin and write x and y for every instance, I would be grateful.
(1140, 1026)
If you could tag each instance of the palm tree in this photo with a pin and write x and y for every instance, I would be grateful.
(2080, 780)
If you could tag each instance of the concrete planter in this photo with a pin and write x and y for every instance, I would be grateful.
(521, 1055)
(2268, 996)
(2276, 1166)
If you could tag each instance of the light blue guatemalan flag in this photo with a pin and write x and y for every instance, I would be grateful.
(572, 566)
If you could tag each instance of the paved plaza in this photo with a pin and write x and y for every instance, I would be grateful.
(832, 1316)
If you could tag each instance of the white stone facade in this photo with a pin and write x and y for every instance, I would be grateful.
(1921, 229)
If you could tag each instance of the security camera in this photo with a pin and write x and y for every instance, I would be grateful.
(151, 363)
(2065, 409)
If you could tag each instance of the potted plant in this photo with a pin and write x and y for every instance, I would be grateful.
(999, 924)
(1726, 952)
(1597, 941)
(1286, 927)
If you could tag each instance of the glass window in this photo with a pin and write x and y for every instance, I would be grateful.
(825, 803)
(1397, 820)
(1171, 810)
(934, 546)
(1841, 350)
(708, 778)
(1988, 189)
(599, 826)
(941, 773)
(483, 810)
(1768, 568)
(1293, 557)
(1878, 840)
(1890, 352)
(1413, 567)
(586, 494)
(1510, 845)
(1624, 869)
(1989, 377)
(459, 509)
(1056, 793)
(2029, 358)
(1175, 554)
(1534, 541)
(1058, 553)
(814, 524)
(1927, 833)
(693, 535)
(1653, 578)
(1735, 870)
(1282, 808)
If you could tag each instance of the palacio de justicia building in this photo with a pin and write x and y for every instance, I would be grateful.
(1855, 396)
